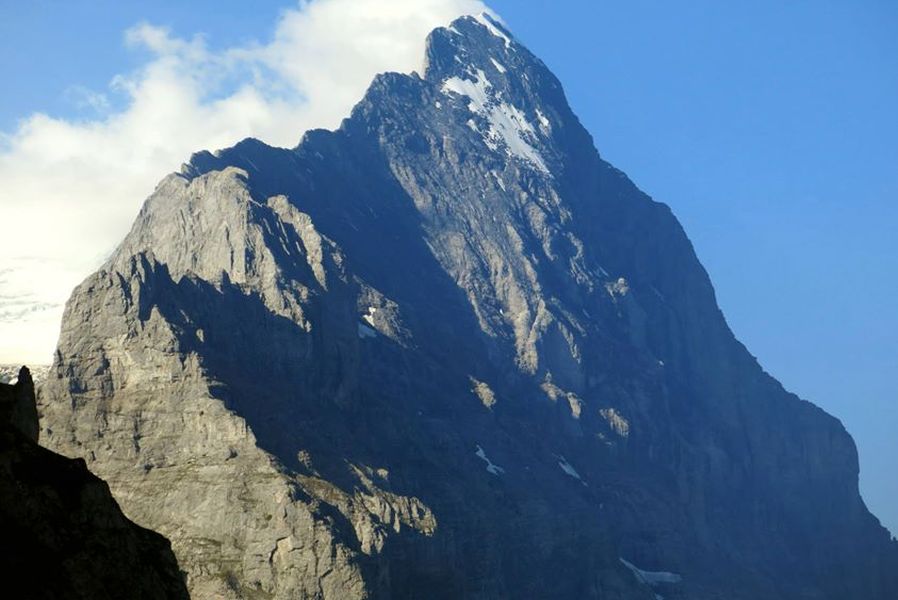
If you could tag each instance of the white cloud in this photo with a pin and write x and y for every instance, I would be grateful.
(72, 188)
(85, 98)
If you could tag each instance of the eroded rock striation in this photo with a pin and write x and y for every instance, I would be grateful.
(447, 351)
(62, 536)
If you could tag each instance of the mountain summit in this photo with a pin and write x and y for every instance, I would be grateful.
(447, 351)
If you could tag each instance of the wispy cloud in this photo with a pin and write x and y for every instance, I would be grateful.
(71, 188)
(87, 99)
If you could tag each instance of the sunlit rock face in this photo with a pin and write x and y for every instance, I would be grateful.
(447, 351)
(63, 535)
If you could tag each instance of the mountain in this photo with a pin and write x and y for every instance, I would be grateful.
(63, 534)
(447, 351)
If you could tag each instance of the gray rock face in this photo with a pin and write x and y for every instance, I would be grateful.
(447, 351)
(63, 535)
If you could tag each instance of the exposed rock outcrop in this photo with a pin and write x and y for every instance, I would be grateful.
(18, 408)
(447, 351)
(62, 536)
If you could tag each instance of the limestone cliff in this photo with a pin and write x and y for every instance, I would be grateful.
(447, 351)
(62, 536)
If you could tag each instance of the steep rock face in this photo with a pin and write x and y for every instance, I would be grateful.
(63, 535)
(447, 351)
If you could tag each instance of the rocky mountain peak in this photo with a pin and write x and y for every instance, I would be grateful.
(385, 362)
(510, 96)
(479, 43)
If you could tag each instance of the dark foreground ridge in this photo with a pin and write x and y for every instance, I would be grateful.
(63, 536)
(447, 351)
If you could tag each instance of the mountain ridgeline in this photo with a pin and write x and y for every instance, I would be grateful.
(447, 351)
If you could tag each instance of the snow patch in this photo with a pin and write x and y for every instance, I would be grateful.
(498, 65)
(617, 288)
(499, 180)
(544, 123)
(507, 123)
(652, 578)
(512, 126)
(490, 467)
(477, 90)
(487, 21)
(369, 318)
(568, 469)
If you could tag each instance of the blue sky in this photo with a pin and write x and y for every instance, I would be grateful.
(769, 127)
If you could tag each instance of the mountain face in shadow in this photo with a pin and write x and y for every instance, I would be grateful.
(63, 535)
(447, 351)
